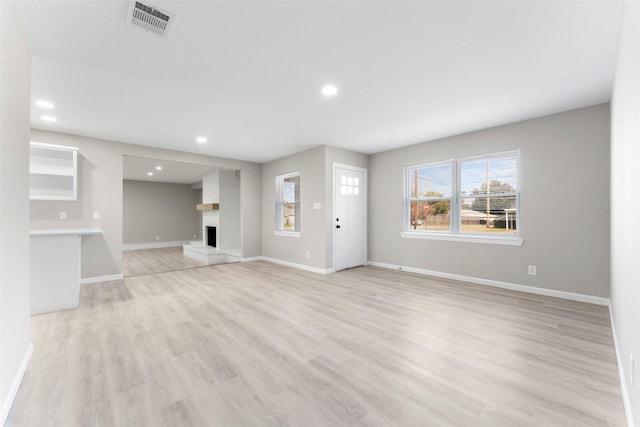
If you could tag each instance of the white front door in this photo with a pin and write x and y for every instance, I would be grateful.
(350, 220)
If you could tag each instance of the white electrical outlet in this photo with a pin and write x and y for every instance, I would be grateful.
(63, 215)
(195, 236)
(532, 270)
(157, 237)
(308, 254)
(96, 215)
(632, 376)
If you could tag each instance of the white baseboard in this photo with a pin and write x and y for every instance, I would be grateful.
(98, 279)
(252, 258)
(623, 383)
(291, 264)
(15, 385)
(504, 285)
(153, 245)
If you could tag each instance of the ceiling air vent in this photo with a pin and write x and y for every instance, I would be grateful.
(150, 18)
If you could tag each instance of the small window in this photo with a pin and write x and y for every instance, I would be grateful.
(288, 203)
(349, 185)
(469, 196)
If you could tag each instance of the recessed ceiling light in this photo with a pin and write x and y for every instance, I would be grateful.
(49, 118)
(44, 104)
(150, 173)
(158, 168)
(329, 90)
(201, 139)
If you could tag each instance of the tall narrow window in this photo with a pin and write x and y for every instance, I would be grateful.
(288, 203)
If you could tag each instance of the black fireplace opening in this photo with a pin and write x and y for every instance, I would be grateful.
(211, 236)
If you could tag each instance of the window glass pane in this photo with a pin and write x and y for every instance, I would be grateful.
(291, 189)
(289, 217)
(343, 179)
(356, 190)
(343, 190)
(356, 181)
(430, 215)
(430, 181)
(504, 171)
(288, 203)
(489, 176)
(489, 215)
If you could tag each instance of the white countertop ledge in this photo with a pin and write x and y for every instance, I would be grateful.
(65, 231)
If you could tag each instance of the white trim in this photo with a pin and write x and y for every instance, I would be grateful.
(15, 385)
(364, 171)
(294, 265)
(252, 258)
(497, 284)
(46, 145)
(506, 240)
(98, 279)
(623, 383)
(287, 233)
(153, 245)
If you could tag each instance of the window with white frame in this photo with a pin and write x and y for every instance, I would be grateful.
(288, 203)
(468, 196)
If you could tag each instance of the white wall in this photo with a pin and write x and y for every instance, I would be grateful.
(564, 205)
(159, 209)
(229, 231)
(625, 199)
(100, 189)
(15, 75)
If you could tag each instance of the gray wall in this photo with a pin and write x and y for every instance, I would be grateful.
(15, 86)
(312, 238)
(625, 199)
(229, 230)
(345, 157)
(316, 225)
(564, 205)
(153, 209)
(100, 189)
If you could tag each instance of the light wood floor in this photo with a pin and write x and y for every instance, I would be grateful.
(258, 344)
(158, 260)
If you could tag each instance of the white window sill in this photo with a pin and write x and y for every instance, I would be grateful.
(508, 241)
(286, 233)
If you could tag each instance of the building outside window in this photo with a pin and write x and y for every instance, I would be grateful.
(467, 196)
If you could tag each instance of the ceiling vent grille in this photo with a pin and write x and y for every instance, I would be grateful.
(150, 18)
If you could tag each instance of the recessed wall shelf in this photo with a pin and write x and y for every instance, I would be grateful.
(208, 207)
(53, 171)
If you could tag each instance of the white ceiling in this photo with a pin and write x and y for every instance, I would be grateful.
(248, 74)
(137, 169)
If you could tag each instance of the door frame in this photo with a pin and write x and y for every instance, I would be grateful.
(335, 166)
